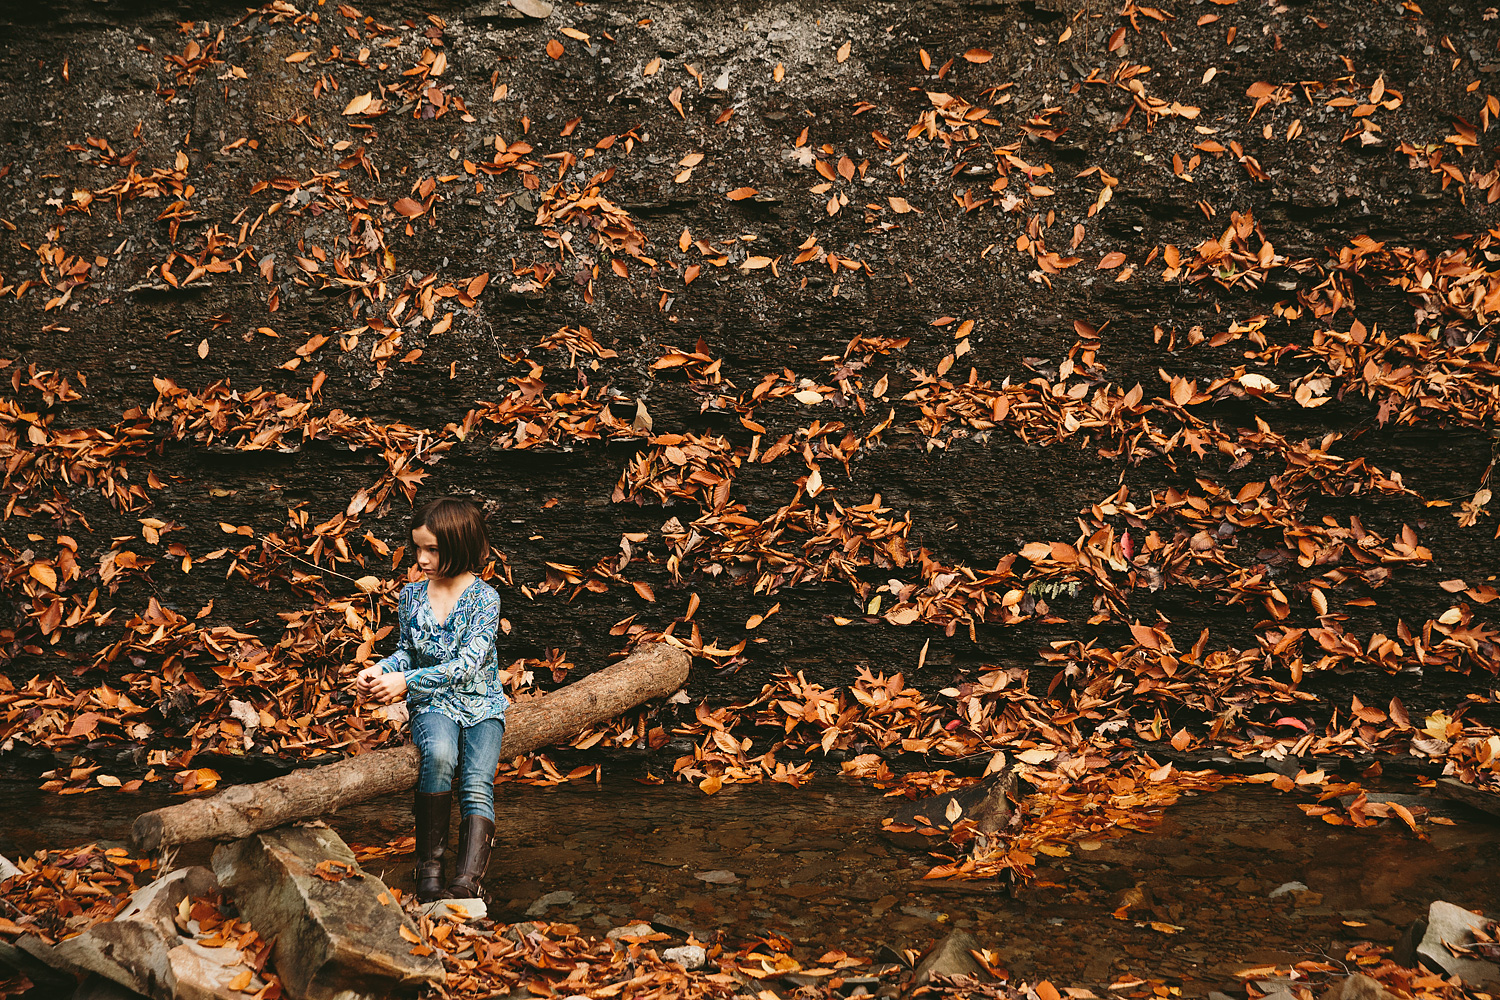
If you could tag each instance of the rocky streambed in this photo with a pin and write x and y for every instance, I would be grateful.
(1237, 880)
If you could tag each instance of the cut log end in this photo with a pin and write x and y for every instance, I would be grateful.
(650, 672)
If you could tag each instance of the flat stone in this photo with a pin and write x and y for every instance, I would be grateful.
(133, 949)
(640, 930)
(950, 957)
(1358, 987)
(561, 897)
(463, 910)
(337, 938)
(854, 986)
(1454, 924)
(540, 9)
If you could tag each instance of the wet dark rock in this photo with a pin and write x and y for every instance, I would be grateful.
(96, 987)
(987, 804)
(797, 980)
(1433, 806)
(1404, 953)
(668, 924)
(1475, 798)
(951, 957)
(561, 897)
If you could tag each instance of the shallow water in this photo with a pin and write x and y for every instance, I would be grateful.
(811, 867)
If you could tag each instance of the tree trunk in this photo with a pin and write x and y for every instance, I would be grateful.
(649, 672)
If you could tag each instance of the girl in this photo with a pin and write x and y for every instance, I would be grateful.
(447, 667)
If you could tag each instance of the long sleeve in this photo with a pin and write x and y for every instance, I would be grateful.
(400, 660)
(480, 624)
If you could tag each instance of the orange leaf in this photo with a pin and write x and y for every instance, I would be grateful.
(740, 194)
(555, 48)
(980, 56)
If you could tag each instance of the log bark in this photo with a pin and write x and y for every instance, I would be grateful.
(649, 672)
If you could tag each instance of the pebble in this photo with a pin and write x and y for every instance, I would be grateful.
(689, 956)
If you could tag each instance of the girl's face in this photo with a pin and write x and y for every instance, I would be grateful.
(427, 551)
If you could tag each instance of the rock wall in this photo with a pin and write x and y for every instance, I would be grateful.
(772, 219)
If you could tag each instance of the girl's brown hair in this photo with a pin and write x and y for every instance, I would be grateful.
(463, 544)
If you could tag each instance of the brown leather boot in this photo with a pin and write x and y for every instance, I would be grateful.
(433, 811)
(475, 834)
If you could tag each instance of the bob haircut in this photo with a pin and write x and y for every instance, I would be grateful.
(463, 544)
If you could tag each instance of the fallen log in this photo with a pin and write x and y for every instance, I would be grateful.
(649, 672)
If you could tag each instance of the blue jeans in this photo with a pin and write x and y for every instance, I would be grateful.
(440, 740)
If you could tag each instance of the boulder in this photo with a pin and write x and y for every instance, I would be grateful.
(133, 949)
(951, 957)
(1455, 925)
(339, 933)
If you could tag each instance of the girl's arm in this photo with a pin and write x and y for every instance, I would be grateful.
(400, 660)
(481, 625)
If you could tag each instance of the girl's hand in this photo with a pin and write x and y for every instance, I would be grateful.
(388, 687)
(365, 679)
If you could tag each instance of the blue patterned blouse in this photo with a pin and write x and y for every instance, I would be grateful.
(452, 667)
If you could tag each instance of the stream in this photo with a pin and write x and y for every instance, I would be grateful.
(809, 865)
